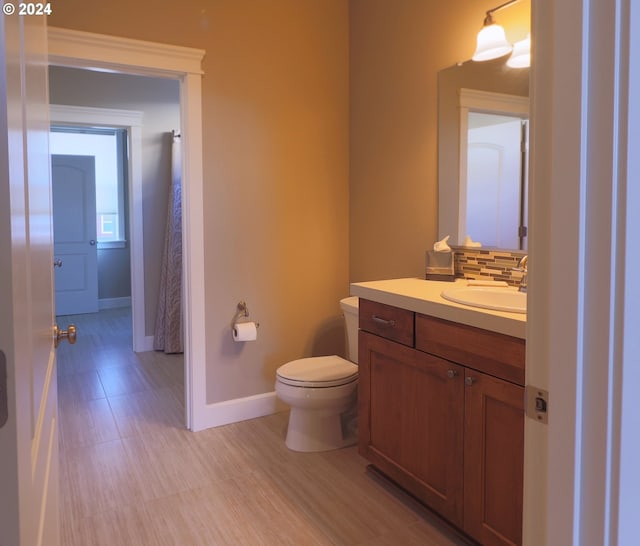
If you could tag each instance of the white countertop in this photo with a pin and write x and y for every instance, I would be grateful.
(422, 296)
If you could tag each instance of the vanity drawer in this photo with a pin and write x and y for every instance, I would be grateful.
(387, 321)
(490, 352)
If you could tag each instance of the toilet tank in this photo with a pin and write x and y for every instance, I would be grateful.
(349, 308)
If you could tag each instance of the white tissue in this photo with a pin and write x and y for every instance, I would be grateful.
(442, 246)
(245, 331)
(468, 242)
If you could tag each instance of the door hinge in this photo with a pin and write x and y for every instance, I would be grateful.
(536, 404)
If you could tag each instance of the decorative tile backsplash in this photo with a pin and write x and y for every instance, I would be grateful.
(485, 263)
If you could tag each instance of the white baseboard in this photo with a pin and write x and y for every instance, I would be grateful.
(113, 303)
(238, 409)
(148, 343)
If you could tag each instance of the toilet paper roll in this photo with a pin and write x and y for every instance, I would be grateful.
(245, 331)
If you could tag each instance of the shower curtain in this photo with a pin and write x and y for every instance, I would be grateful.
(168, 332)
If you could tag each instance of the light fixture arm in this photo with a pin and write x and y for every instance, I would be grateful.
(488, 20)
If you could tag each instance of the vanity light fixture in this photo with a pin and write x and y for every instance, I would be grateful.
(492, 42)
(521, 55)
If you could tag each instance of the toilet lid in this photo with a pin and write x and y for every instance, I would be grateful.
(319, 371)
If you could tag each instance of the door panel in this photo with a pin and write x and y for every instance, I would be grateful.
(494, 458)
(74, 228)
(410, 420)
(28, 439)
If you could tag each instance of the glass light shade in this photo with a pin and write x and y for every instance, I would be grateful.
(521, 56)
(492, 43)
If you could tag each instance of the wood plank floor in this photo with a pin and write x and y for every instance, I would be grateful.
(131, 474)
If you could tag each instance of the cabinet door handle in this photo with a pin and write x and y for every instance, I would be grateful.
(469, 380)
(381, 320)
(452, 373)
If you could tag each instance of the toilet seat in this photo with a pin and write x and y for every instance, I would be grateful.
(318, 372)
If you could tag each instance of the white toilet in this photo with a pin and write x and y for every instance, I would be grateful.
(322, 393)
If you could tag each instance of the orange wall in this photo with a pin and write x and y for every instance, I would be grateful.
(275, 128)
(320, 120)
(396, 51)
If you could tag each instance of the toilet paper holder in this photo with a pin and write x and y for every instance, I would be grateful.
(241, 312)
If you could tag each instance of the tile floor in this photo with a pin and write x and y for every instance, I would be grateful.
(131, 474)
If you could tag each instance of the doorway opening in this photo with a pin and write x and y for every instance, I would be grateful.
(129, 122)
(69, 48)
(128, 219)
(90, 195)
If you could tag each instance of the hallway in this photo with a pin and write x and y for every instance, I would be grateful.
(131, 474)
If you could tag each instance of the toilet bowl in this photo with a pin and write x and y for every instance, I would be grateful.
(321, 392)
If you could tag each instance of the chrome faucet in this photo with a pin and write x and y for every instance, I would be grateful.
(522, 266)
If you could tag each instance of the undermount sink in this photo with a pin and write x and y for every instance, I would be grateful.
(489, 297)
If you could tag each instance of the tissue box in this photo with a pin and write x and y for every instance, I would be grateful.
(439, 266)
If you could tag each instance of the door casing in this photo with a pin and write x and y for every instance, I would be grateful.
(79, 49)
(131, 121)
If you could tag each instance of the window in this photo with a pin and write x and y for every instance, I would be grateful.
(108, 146)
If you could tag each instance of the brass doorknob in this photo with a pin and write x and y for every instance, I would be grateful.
(70, 334)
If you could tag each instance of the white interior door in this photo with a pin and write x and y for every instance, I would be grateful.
(74, 232)
(28, 435)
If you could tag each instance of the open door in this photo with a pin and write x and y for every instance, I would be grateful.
(28, 388)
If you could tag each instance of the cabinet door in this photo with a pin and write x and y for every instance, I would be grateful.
(411, 421)
(493, 463)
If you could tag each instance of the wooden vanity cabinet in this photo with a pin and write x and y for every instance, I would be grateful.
(489, 352)
(493, 459)
(411, 420)
(442, 414)
(493, 423)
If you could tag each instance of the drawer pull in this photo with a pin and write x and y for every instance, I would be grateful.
(386, 322)
(452, 373)
(470, 380)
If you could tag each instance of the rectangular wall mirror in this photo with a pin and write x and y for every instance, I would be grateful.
(483, 112)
